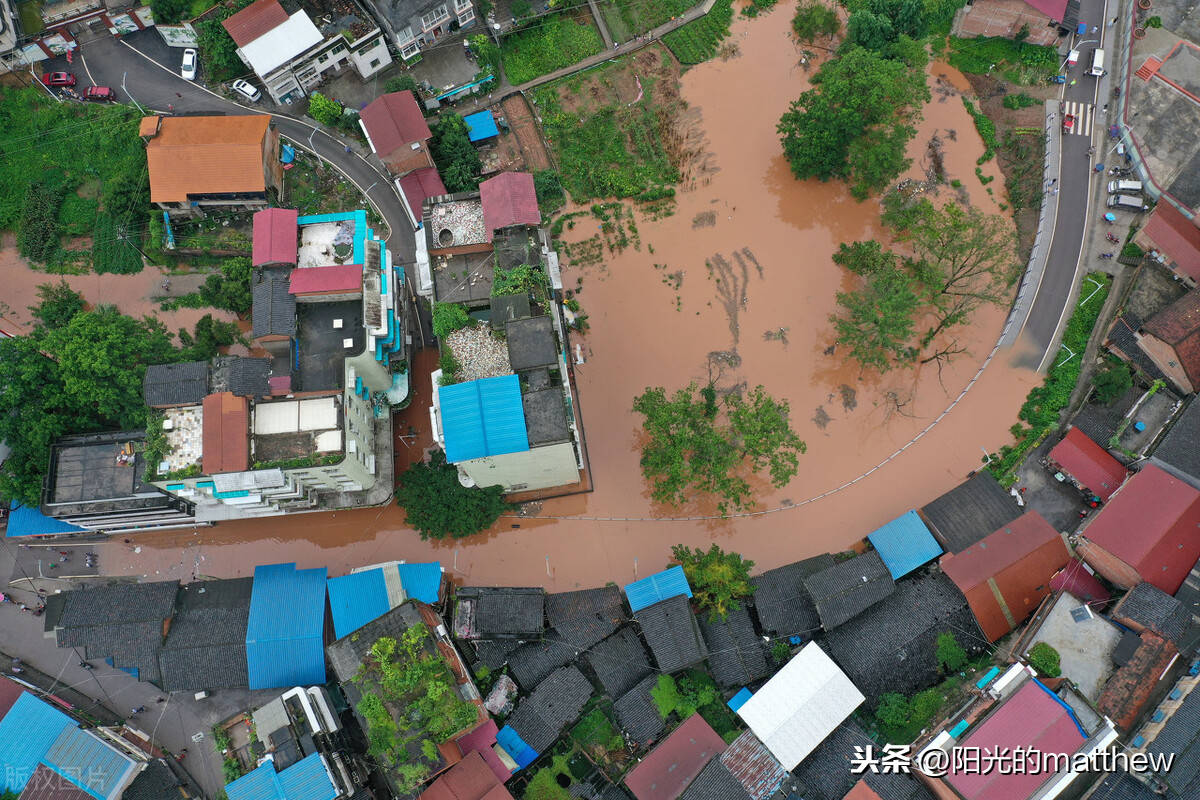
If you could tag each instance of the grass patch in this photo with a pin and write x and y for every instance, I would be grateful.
(627, 19)
(1039, 414)
(557, 41)
(1019, 100)
(1018, 61)
(313, 187)
(700, 39)
(31, 18)
(544, 783)
(987, 131)
(1020, 159)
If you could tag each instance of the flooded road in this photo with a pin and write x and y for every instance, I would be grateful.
(739, 286)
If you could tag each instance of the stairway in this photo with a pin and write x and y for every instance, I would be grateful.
(1146, 71)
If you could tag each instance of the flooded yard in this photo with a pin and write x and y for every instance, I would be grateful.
(736, 284)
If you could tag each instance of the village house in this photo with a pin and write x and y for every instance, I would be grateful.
(398, 134)
(292, 49)
(1178, 452)
(969, 512)
(1175, 239)
(417, 24)
(1041, 22)
(1086, 465)
(1171, 338)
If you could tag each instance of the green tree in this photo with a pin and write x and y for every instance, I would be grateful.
(951, 656)
(323, 109)
(549, 190)
(684, 696)
(486, 52)
(1112, 382)
(38, 237)
(876, 322)
(1045, 659)
(813, 20)
(170, 11)
(209, 336)
(718, 579)
(231, 289)
(218, 51)
(58, 305)
(400, 83)
(448, 318)
(691, 446)
(867, 29)
(456, 158)
(438, 506)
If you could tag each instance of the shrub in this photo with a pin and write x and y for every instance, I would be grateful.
(1045, 660)
(950, 654)
(1019, 100)
(550, 195)
(448, 318)
(449, 366)
(170, 11)
(1112, 382)
(987, 131)
(1154, 22)
(400, 83)
(456, 158)
(323, 109)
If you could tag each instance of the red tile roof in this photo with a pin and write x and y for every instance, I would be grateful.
(46, 784)
(1054, 9)
(480, 741)
(419, 185)
(207, 155)
(1179, 326)
(670, 767)
(469, 779)
(226, 439)
(860, 791)
(280, 384)
(275, 236)
(10, 691)
(317, 280)
(1151, 524)
(1031, 718)
(1017, 563)
(394, 121)
(1088, 463)
(1177, 236)
(1129, 688)
(254, 20)
(509, 199)
(1075, 578)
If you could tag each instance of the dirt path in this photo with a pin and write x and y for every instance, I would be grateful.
(524, 126)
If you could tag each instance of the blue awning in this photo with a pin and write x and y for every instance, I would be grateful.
(515, 746)
(905, 544)
(26, 521)
(739, 699)
(481, 126)
(656, 588)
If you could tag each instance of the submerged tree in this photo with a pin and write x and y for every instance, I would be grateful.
(438, 506)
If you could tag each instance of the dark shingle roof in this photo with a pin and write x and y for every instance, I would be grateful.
(670, 629)
(897, 786)
(1180, 735)
(825, 773)
(1123, 786)
(735, 652)
(117, 603)
(155, 782)
(248, 377)
(554, 704)
(715, 783)
(1179, 451)
(970, 511)
(531, 663)
(636, 713)
(782, 604)
(1122, 336)
(274, 306)
(585, 617)
(499, 613)
(493, 653)
(175, 384)
(206, 643)
(845, 590)
(1151, 607)
(892, 646)
(620, 661)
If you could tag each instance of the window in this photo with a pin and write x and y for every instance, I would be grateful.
(462, 5)
(341, 48)
(374, 63)
(434, 17)
(466, 15)
(410, 50)
(405, 35)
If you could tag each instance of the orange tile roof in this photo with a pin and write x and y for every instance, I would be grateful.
(226, 437)
(207, 155)
(254, 20)
(148, 126)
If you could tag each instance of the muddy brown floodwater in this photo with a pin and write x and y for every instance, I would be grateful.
(745, 257)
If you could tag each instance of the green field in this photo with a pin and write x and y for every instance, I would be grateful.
(555, 42)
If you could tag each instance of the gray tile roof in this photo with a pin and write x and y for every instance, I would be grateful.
(892, 646)
(1122, 336)
(1151, 607)
(532, 663)
(849, 588)
(1180, 734)
(206, 643)
(715, 783)
(274, 307)
(1179, 450)
(117, 603)
(970, 511)
(670, 628)
(825, 773)
(500, 613)
(586, 616)
(175, 384)
(554, 704)
(636, 713)
(493, 653)
(155, 782)
(248, 377)
(735, 652)
(897, 786)
(1123, 786)
(782, 604)
(619, 662)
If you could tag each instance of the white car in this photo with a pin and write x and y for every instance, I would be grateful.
(247, 90)
(188, 70)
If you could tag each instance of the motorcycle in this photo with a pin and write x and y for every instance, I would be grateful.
(1111, 238)
(1106, 255)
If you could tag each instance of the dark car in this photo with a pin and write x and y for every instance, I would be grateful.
(100, 94)
(58, 79)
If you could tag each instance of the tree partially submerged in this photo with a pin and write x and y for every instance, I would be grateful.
(696, 444)
(440, 507)
(719, 580)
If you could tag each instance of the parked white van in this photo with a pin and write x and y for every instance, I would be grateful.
(1127, 201)
(1097, 63)
(1124, 186)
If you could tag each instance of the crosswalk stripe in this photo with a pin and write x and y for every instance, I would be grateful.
(1084, 114)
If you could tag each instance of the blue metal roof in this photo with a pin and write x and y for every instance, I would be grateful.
(356, 599)
(515, 746)
(26, 521)
(285, 633)
(422, 581)
(27, 732)
(483, 418)
(657, 587)
(905, 544)
(304, 780)
(88, 762)
(481, 125)
(739, 699)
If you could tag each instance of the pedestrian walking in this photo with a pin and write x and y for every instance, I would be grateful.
(1112, 22)
(1054, 190)
(160, 700)
(1073, 82)
(177, 94)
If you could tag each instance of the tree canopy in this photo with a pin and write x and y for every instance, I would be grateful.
(59, 305)
(718, 579)
(438, 506)
(696, 444)
(456, 158)
(813, 20)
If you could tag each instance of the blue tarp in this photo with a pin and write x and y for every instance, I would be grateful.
(657, 587)
(304, 780)
(285, 634)
(481, 126)
(905, 544)
(739, 699)
(89, 763)
(25, 521)
(356, 599)
(483, 418)
(287, 153)
(515, 746)
(422, 581)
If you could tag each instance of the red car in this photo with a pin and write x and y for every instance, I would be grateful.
(58, 79)
(100, 94)
(1068, 123)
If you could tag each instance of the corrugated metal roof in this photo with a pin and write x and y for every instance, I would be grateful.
(94, 766)
(356, 599)
(667, 770)
(483, 418)
(1088, 463)
(905, 544)
(305, 780)
(422, 581)
(656, 588)
(26, 521)
(481, 125)
(27, 731)
(285, 633)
